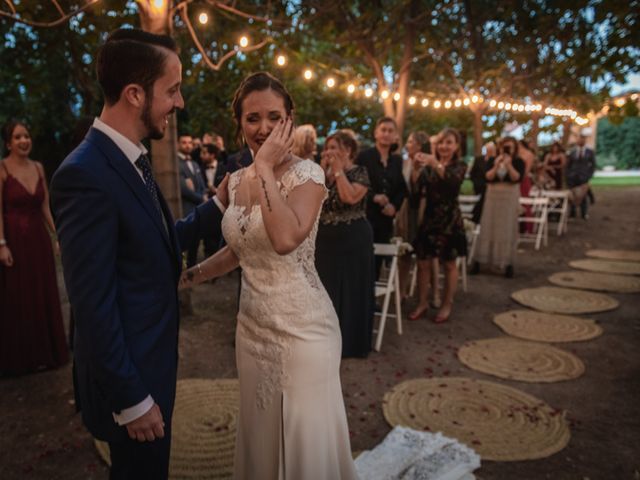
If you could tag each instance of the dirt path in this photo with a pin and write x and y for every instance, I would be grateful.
(42, 438)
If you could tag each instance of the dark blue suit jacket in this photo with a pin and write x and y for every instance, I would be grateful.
(121, 268)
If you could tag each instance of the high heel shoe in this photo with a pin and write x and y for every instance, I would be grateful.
(419, 313)
(442, 318)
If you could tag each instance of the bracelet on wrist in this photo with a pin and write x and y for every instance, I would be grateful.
(3, 242)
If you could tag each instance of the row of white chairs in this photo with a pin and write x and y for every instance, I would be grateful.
(538, 208)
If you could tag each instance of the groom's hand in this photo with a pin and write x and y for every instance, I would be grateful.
(148, 427)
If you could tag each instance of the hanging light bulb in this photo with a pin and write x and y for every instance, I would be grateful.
(368, 92)
(457, 103)
(447, 104)
(351, 88)
(507, 106)
(331, 82)
(384, 94)
(396, 97)
(244, 41)
(475, 99)
(412, 100)
(308, 74)
(493, 103)
(501, 105)
(437, 104)
(425, 102)
(281, 60)
(466, 102)
(203, 18)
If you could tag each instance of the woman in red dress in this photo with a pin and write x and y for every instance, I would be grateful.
(31, 329)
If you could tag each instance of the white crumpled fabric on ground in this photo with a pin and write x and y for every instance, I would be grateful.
(407, 454)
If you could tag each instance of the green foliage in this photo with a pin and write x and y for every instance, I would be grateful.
(617, 145)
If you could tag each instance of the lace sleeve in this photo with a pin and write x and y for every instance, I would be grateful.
(301, 172)
(359, 175)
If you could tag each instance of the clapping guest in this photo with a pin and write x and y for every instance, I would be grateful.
(304, 142)
(344, 245)
(31, 329)
(499, 222)
(441, 234)
(388, 188)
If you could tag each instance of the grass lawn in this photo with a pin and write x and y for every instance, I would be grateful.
(600, 182)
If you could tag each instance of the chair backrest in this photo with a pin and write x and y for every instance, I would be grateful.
(556, 193)
(534, 201)
(386, 249)
(467, 203)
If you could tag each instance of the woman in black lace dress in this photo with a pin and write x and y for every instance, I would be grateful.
(344, 245)
(441, 234)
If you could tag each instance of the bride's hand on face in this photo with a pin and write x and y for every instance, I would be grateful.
(277, 146)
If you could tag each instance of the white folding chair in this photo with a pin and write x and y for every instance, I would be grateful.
(385, 287)
(558, 204)
(467, 204)
(537, 215)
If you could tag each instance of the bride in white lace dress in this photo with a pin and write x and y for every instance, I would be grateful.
(292, 422)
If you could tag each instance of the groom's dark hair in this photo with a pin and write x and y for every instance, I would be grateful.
(130, 55)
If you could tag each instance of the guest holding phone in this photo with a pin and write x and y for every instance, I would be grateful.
(441, 234)
(499, 221)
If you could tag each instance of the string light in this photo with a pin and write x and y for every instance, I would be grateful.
(493, 103)
(244, 41)
(466, 101)
(501, 105)
(412, 100)
(331, 82)
(384, 94)
(447, 104)
(203, 18)
(368, 92)
(281, 60)
(457, 103)
(437, 104)
(507, 106)
(351, 88)
(308, 74)
(396, 97)
(475, 99)
(425, 102)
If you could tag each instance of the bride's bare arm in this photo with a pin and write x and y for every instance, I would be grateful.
(288, 222)
(216, 265)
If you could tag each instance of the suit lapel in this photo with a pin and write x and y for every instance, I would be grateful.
(131, 177)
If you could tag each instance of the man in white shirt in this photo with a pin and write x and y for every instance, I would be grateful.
(121, 255)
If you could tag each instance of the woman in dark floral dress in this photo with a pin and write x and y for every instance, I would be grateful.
(441, 234)
(344, 245)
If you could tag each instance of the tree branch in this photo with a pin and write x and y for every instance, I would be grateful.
(15, 17)
(184, 14)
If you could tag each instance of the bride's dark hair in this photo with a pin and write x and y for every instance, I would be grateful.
(258, 82)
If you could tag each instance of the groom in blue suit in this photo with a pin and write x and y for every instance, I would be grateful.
(121, 255)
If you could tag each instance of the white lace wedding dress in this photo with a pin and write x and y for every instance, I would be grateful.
(292, 422)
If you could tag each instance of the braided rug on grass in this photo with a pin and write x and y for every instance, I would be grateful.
(564, 300)
(546, 327)
(499, 422)
(204, 429)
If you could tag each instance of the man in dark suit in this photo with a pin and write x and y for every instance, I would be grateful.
(581, 164)
(240, 159)
(121, 256)
(388, 188)
(193, 189)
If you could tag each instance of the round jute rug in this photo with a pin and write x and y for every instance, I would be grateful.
(546, 327)
(606, 266)
(628, 255)
(500, 423)
(204, 429)
(515, 359)
(564, 300)
(604, 282)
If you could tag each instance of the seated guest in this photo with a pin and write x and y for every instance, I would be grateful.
(344, 245)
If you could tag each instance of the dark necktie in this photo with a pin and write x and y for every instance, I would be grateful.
(143, 164)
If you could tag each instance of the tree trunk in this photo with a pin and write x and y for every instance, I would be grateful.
(155, 19)
(566, 132)
(535, 130)
(477, 130)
